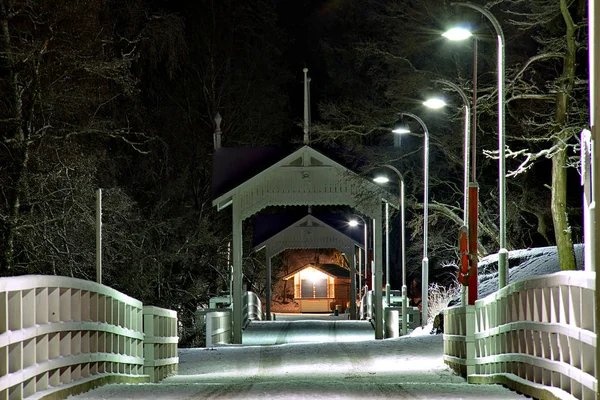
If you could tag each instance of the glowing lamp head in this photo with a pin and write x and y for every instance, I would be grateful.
(353, 223)
(381, 179)
(457, 34)
(401, 127)
(434, 103)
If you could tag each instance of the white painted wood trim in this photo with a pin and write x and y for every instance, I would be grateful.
(540, 330)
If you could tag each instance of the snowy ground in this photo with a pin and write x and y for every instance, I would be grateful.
(341, 368)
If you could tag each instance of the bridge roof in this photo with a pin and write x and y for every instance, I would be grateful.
(309, 232)
(304, 177)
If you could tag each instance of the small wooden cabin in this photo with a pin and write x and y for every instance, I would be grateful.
(320, 287)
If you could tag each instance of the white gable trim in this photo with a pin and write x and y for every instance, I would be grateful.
(308, 233)
(306, 177)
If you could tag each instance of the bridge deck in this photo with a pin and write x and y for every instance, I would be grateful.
(300, 328)
(337, 368)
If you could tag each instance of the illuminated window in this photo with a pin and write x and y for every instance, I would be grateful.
(313, 284)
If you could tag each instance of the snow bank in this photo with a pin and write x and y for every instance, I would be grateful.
(523, 264)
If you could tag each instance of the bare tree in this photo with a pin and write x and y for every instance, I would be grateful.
(65, 79)
(548, 96)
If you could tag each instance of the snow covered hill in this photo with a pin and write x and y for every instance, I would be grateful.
(522, 264)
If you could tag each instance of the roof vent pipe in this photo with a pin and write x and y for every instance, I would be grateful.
(217, 134)
(306, 107)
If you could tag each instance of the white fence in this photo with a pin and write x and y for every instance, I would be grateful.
(160, 343)
(60, 336)
(218, 321)
(535, 335)
(459, 341)
(393, 320)
(252, 310)
(367, 311)
(218, 327)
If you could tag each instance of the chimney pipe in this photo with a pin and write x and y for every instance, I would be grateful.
(217, 134)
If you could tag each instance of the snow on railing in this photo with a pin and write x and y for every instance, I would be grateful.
(367, 311)
(535, 335)
(60, 336)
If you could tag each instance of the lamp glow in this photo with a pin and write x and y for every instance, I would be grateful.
(457, 34)
(401, 129)
(381, 179)
(353, 223)
(434, 103)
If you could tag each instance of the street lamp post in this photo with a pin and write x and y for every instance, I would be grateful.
(594, 79)
(425, 261)
(502, 252)
(466, 143)
(388, 287)
(354, 223)
(469, 142)
(403, 246)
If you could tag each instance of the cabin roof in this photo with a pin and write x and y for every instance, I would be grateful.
(333, 270)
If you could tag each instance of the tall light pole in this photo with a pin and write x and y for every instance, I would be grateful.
(383, 179)
(594, 84)
(502, 252)
(437, 104)
(470, 196)
(354, 223)
(403, 128)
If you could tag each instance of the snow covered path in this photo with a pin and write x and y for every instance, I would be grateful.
(293, 329)
(404, 368)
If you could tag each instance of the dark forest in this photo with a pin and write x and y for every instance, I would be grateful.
(122, 95)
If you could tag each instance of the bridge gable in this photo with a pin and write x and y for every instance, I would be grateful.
(305, 177)
(308, 233)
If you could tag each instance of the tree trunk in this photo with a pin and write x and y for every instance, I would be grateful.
(562, 229)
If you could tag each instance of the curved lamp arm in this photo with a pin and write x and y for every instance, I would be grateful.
(486, 13)
(425, 262)
(467, 145)
(502, 252)
(402, 219)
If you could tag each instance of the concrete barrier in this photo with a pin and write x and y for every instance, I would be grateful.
(218, 320)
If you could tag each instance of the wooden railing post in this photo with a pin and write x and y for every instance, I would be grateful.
(535, 335)
(61, 336)
(470, 339)
(160, 342)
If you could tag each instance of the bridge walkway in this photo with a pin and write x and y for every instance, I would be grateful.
(321, 358)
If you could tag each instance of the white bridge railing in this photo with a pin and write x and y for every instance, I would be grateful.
(536, 336)
(60, 336)
(160, 343)
(367, 311)
(218, 321)
(252, 310)
(218, 327)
